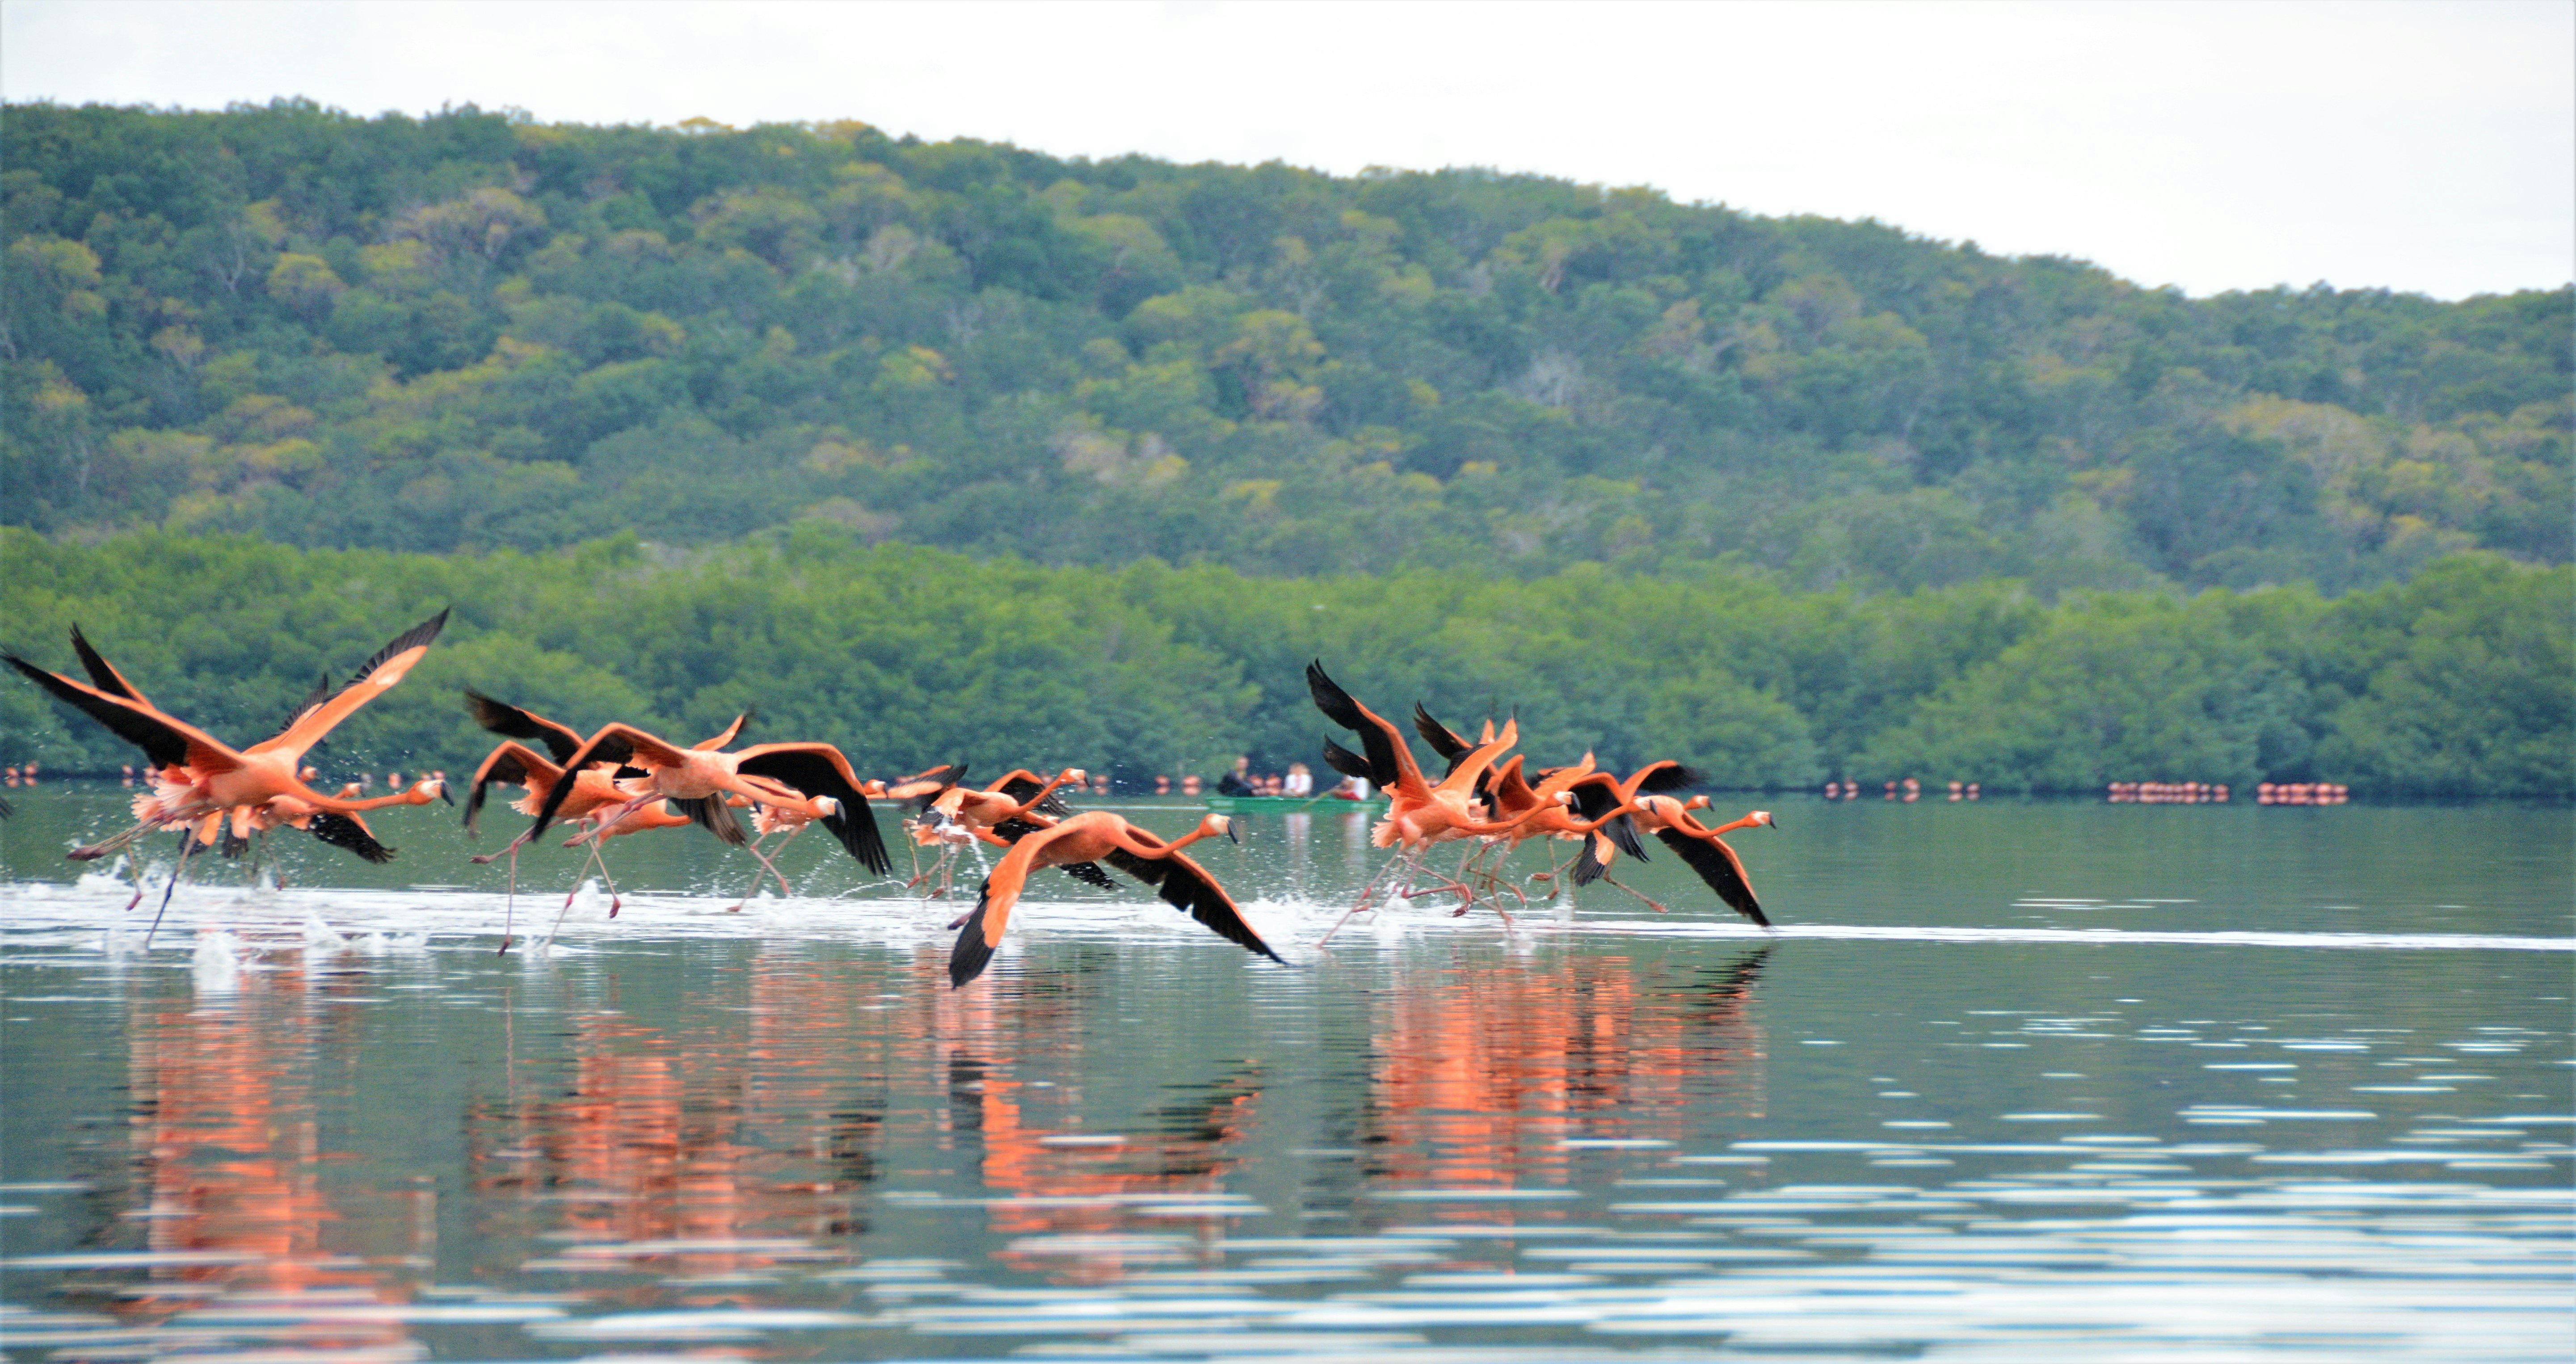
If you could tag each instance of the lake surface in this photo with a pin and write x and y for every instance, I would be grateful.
(2012, 1082)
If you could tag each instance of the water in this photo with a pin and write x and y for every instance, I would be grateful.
(2014, 1082)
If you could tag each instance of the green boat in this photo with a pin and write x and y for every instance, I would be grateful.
(1294, 805)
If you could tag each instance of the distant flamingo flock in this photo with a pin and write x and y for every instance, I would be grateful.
(621, 779)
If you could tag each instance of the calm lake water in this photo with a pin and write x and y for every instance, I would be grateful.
(2012, 1082)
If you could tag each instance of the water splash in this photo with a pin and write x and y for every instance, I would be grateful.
(217, 963)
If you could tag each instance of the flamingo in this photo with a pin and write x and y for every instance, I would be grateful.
(244, 820)
(595, 791)
(1703, 848)
(1419, 813)
(695, 780)
(955, 815)
(595, 788)
(1596, 795)
(198, 779)
(1097, 836)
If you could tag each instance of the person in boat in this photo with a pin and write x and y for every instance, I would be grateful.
(1300, 782)
(1239, 781)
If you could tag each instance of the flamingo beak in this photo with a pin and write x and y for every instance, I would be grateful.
(1769, 820)
(1225, 826)
(444, 794)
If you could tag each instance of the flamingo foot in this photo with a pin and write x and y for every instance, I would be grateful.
(505, 947)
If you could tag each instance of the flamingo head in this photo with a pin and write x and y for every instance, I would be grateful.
(1763, 818)
(1073, 776)
(1219, 824)
(873, 789)
(434, 785)
(826, 807)
(1699, 802)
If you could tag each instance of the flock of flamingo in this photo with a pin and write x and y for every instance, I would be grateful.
(621, 780)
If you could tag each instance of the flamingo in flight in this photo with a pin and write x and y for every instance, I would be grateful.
(199, 781)
(1703, 849)
(596, 791)
(1419, 812)
(1098, 836)
(958, 816)
(696, 781)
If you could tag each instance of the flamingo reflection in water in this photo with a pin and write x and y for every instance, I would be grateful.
(732, 1143)
(1480, 1073)
(230, 1170)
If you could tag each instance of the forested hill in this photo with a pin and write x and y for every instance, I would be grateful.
(474, 331)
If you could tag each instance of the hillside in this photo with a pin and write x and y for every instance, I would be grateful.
(472, 331)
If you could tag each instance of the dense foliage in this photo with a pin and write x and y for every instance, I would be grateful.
(2462, 680)
(471, 331)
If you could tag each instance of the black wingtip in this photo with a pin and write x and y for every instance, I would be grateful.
(1664, 781)
(972, 954)
(101, 675)
(412, 638)
(856, 827)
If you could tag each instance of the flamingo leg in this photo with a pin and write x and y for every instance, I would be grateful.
(510, 904)
(1365, 892)
(602, 864)
(616, 902)
(1659, 909)
(1555, 886)
(184, 844)
(765, 861)
(175, 872)
(594, 839)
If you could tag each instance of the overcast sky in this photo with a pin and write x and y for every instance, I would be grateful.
(2416, 146)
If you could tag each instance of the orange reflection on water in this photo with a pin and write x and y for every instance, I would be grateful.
(711, 1146)
(1481, 1071)
(229, 1161)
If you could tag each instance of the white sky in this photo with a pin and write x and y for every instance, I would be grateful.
(2428, 147)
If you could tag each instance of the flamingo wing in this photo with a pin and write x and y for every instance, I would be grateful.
(820, 770)
(1717, 865)
(619, 745)
(1596, 796)
(312, 700)
(370, 681)
(714, 813)
(1088, 873)
(103, 674)
(348, 831)
(983, 929)
(1443, 740)
(1020, 785)
(1664, 777)
(730, 733)
(1187, 887)
(1390, 763)
(165, 742)
(511, 722)
(511, 764)
(1346, 762)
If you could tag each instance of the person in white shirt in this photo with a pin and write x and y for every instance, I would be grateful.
(1301, 781)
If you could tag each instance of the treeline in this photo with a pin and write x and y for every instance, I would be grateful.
(2459, 681)
(471, 332)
